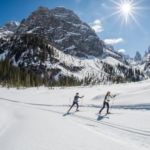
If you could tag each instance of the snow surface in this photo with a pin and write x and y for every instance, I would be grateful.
(32, 119)
(32, 30)
(113, 61)
(70, 48)
(4, 33)
(112, 53)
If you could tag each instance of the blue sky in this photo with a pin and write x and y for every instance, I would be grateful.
(129, 37)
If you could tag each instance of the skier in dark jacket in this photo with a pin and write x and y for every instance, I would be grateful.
(75, 102)
(107, 98)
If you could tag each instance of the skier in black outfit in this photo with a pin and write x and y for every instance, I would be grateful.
(75, 102)
(107, 98)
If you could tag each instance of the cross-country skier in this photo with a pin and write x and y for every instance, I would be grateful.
(75, 102)
(107, 98)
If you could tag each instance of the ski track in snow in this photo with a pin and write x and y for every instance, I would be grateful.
(88, 123)
(29, 120)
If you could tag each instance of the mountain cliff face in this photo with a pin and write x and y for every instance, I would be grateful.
(142, 62)
(55, 43)
(64, 29)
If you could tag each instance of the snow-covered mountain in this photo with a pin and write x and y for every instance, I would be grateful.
(57, 43)
(141, 62)
(8, 29)
(64, 29)
(146, 63)
(6, 33)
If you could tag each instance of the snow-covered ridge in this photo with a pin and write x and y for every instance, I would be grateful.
(64, 29)
(8, 29)
(91, 67)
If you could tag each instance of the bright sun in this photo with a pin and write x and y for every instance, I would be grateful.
(126, 9)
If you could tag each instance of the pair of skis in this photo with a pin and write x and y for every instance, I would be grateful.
(70, 113)
(100, 117)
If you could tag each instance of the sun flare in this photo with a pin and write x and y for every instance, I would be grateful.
(126, 10)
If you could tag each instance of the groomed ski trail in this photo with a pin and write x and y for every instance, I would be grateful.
(103, 129)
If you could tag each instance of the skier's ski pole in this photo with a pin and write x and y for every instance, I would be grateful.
(113, 102)
(82, 101)
(70, 101)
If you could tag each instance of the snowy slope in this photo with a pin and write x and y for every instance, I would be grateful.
(4, 34)
(8, 29)
(33, 118)
(88, 67)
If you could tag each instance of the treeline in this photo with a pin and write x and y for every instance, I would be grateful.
(122, 74)
(12, 76)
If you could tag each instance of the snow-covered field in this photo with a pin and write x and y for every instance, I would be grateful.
(32, 119)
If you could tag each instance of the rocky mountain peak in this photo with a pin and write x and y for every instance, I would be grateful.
(64, 30)
(42, 9)
(65, 14)
(59, 13)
